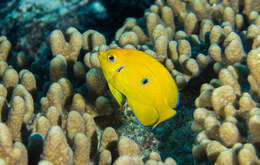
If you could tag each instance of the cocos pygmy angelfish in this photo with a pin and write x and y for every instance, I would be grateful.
(147, 85)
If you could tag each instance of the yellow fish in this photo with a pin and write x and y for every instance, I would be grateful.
(150, 90)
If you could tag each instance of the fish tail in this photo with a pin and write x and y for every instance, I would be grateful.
(167, 114)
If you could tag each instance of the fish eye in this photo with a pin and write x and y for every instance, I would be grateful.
(111, 58)
(145, 80)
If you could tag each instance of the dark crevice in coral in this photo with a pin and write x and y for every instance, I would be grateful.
(35, 148)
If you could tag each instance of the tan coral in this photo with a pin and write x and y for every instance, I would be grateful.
(229, 111)
(158, 30)
(3, 91)
(91, 132)
(211, 125)
(231, 36)
(190, 23)
(192, 67)
(81, 149)
(239, 22)
(253, 62)
(214, 52)
(21, 60)
(216, 35)
(42, 125)
(168, 17)
(203, 60)
(229, 16)
(105, 158)
(227, 78)
(109, 140)
(201, 9)
(229, 134)
(2, 106)
(205, 27)
(161, 44)
(103, 106)
(170, 161)
(154, 8)
(253, 31)
(55, 97)
(78, 103)
(53, 115)
(10, 79)
(204, 99)
(5, 47)
(75, 124)
(58, 68)
(169, 64)
(200, 114)
(213, 149)
(152, 19)
(9, 152)
(127, 160)
(179, 8)
(184, 48)
(28, 80)
(67, 90)
(234, 51)
(246, 103)
(91, 60)
(256, 42)
(15, 117)
(96, 83)
(154, 156)
(142, 38)
(128, 25)
(222, 96)
(173, 53)
(254, 125)
(56, 148)
(3, 67)
(20, 90)
(70, 50)
(180, 35)
(128, 147)
(229, 156)
(247, 155)
(128, 38)
(97, 39)
(45, 162)
(79, 70)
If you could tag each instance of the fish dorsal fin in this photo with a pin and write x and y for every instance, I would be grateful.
(145, 114)
(117, 95)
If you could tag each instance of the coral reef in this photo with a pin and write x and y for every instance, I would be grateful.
(55, 107)
(227, 111)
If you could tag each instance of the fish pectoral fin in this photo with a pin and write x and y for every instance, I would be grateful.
(167, 113)
(145, 114)
(120, 98)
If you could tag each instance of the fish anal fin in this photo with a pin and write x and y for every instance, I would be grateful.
(117, 95)
(145, 114)
(165, 115)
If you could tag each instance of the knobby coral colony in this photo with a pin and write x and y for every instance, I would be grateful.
(187, 37)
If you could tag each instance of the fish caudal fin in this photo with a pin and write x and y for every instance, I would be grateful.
(166, 114)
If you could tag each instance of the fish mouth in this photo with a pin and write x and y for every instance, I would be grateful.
(120, 68)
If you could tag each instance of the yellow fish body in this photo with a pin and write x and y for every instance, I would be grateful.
(147, 85)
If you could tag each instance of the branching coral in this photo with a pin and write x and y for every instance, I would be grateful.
(187, 37)
(221, 109)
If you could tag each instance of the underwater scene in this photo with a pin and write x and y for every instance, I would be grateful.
(129, 82)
